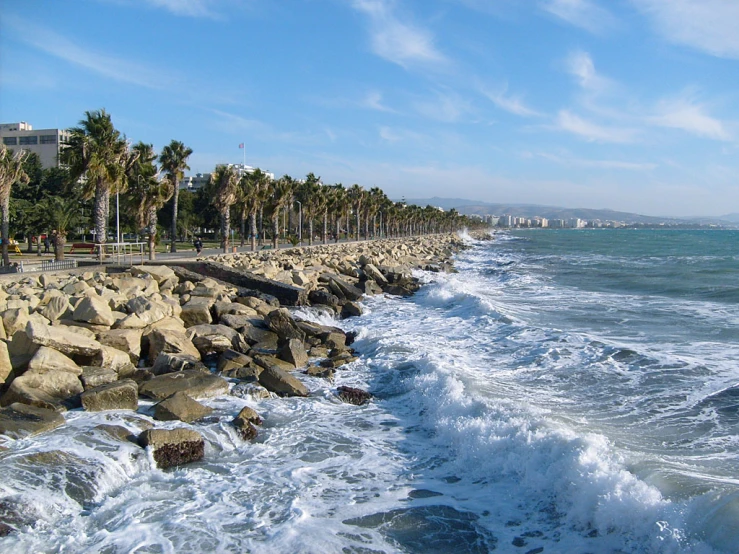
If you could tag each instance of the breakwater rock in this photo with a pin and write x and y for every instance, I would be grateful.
(174, 336)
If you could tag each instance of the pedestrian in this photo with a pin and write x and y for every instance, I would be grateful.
(198, 243)
(46, 244)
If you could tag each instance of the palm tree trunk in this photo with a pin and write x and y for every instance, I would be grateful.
(356, 230)
(366, 227)
(261, 225)
(325, 227)
(5, 228)
(275, 228)
(226, 227)
(173, 229)
(60, 241)
(253, 225)
(100, 216)
(338, 228)
(310, 231)
(243, 227)
(152, 233)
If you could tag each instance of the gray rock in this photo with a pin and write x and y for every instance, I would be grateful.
(6, 367)
(14, 320)
(245, 421)
(351, 309)
(180, 407)
(281, 322)
(147, 310)
(173, 447)
(93, 376)
(120, 395)
(44, 390)
(230, 359)
(126, 340)
(294, 353)
(65, 341)
(93, 309)
(197, 311)
(21, 420)
(375, 274)
(169, 341)
(250, 391)
(56, 308)
(169, 363)
(164, 276)
(47, 359)
(216, 338)
(195, 383)
(343, 289)
(281, 382)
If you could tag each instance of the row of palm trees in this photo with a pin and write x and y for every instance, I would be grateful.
(102, 163)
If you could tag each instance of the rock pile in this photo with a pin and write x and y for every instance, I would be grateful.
(100, 341)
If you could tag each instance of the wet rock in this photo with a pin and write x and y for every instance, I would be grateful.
(264, 361)
(281, 382)
(250, 391)
(321, 372)
(281, 322)
(351, 309)
(230, 359)
(216, 338)
(180, 407)
(44, 390)
(245, 421)
(353, 395)
(169, 363)
(119, 395)
(195, 383)
(323, 297)
(21, 420)
(173, 447)
(293, 352)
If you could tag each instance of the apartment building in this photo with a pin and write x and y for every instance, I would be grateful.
(46, 143)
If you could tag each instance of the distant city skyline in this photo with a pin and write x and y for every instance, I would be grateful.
(628, 105)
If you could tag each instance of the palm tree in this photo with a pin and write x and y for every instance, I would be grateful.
(356, 197)
(97, 153)
(262, 190)
(225, 182)
(60, 213)
(312, 201)
(11, 172)
(282, 190)
(148, 192)
(174, 163)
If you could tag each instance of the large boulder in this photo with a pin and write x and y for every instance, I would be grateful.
(375, 274)
(230, 359)
(293, 352)
(180, 407)
(342, 289)
(197, 311)
(173, 447)
(352, 395)
(195, 383)
(281, 382)
(57, 307)
(59, 338)
(170, 341)
(44, 390)
(281, 322)
(216, 338)
(169, 363)
(22, 420)
(245, 421)
(47, 359)
(112, 358)
(126, 340)
(93, 309)
(14, 320)
(119, 395)
(6, 367)
(93, 376)
(164, 276)
(149, 311)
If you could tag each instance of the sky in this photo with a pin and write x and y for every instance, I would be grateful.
(622, 104)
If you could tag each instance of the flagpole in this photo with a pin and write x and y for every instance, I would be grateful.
(244, 156)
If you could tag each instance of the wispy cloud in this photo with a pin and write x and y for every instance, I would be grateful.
(706, 25)
(373, 101)
(103, 64)
(446, 106)
(585, 14)
(567, 121)
(685, 114)
(187, 8)
(512, 104)
(393, 134)
(397, 41)
(581, 66)
(594, 164)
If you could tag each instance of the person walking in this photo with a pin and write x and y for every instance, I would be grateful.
(46, 243)
(198, 243)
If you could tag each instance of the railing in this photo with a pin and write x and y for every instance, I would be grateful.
(54, 265)
(121, 251)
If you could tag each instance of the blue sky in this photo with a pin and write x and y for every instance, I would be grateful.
(622, 104)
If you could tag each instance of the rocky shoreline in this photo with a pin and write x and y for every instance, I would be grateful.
(100, 341)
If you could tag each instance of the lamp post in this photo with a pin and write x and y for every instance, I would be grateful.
(300, 223)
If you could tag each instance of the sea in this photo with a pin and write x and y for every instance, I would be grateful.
(565, 391)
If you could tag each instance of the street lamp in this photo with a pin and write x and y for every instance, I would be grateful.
(300, 223)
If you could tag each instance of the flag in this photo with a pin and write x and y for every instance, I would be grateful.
(241, 145)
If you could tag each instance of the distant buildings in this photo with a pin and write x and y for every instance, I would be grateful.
(509, 221)
(201, 179)
(46, 143)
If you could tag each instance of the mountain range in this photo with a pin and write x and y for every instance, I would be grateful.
(474, 207)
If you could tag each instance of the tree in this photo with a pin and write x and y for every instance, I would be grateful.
(174, 163)
(98, 155)
(310, 194)
(11, 172)
(282, 190)
(356, 197)
(262, 191)
(225, 182)
(147, 192)
(60, 213)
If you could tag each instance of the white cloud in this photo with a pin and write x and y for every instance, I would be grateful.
(373, 101)
(106, 65)
(585, 14)
(567, 121)
(707, 25)
(188, 8)
(580, 65)
(595, 164)
(445, 107)
(682, 113)
(396, 41)
(512, 104)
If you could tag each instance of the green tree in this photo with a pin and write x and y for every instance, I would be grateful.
(11, 172)
(225, 184)
(312, 200)
(174, 163)
(61, 213)
(356, 197)
(97, 154)
(281, 192)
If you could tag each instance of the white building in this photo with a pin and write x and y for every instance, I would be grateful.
(46, 143)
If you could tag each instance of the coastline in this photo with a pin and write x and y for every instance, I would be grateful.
(102, 342)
